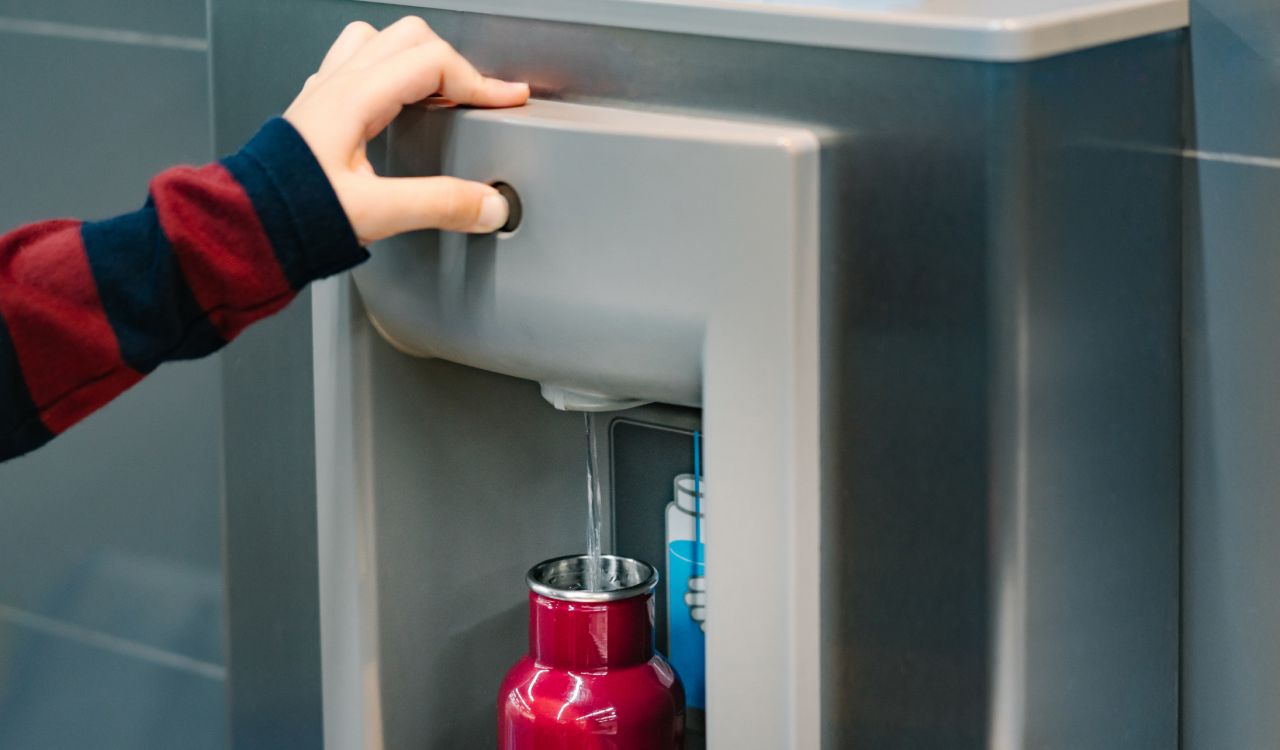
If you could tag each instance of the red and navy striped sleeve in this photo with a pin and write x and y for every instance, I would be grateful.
(87, 309)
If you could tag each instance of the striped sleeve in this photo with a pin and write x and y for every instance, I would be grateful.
(87, 309)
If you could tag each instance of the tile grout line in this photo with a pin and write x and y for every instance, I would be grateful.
(1221, 157)
(122, 646)
(1232, 158)
(102, 34)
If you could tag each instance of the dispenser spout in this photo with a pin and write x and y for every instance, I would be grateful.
(573, 399)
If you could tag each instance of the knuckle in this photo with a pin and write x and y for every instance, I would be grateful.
(416, 26)
(358, 27)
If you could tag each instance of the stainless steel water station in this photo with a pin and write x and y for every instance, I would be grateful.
(911, 268)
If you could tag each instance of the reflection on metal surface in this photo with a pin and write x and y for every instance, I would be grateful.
(565, 578)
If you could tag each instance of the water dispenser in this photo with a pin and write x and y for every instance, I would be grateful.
(635, 276)
(874, 309)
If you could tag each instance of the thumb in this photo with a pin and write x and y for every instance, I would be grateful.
(403, 204)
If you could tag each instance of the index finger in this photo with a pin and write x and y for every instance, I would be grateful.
(437, 68)
(432, 68)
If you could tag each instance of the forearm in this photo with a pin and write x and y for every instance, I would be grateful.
(87, 309)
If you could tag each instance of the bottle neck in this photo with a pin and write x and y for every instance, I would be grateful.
(584, 637)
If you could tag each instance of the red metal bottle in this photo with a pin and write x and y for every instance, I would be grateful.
(591, 679)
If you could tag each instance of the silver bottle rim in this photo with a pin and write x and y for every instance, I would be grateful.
(564, 578)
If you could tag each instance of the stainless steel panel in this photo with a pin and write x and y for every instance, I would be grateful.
(461, 512)
(1231, 677)
(273, 661)
(1232, 562)
(1236, 83)
(273, 633)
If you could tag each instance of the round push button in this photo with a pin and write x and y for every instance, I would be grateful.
(514, 210)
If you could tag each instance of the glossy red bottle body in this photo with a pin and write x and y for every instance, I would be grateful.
(591, 681)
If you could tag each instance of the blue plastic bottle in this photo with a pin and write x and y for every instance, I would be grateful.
(686, 587)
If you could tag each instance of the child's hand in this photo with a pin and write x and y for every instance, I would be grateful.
(363, 82)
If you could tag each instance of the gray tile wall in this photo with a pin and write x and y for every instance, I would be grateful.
(1231, 521)
(110, 537)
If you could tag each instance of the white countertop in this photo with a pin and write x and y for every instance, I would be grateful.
(992, 30)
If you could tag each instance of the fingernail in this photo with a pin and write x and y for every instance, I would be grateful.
(493, 213)
(519, 88)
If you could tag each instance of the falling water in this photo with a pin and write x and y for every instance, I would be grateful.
(595, 516)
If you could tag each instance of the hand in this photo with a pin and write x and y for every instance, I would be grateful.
(367, 77)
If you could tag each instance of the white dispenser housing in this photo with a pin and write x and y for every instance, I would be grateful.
(646, 238)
